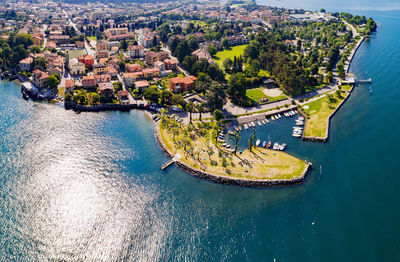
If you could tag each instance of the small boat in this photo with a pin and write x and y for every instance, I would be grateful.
(264, 144)
(295, 111)
(236, 128)
(276, 146)
(266, 121)
(269, 144)
(224, 144)
(295, 134)
(240, 128)
(297, 128)
(279, 115)
(301, 118)
(282, 147)
(258, 142)
(228, 146)
(272, 117)
(253, 124)
(263, 122)
(246, 127)
(299, 123)
(259, 123)
(231, 133)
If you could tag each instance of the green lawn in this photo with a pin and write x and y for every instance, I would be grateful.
(256, 94)
(229, 53)
(318, 114)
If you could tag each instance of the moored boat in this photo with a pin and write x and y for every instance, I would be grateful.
(258, 142)
(246, 126)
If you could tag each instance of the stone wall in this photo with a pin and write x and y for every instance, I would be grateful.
(230, 180)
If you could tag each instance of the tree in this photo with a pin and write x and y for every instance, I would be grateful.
(237, 88)
(52, 81)
(151, 94)
(217, 115)
(215, 96)
(121, 65)
(200, 109)
(212, 50)
(124, 45)
(202, 83)
(182, 50)
(24, 39)
(190, 108)
(235, 137)
(227, 64)
(193, 43)
(225, 43)
(95, 99)
(39, 63)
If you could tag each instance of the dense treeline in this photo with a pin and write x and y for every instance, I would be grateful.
(14, 49)
(274, 57)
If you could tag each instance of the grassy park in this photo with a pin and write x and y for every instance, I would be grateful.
(256, 94)
(197, 146)
(319, 111)
(229, 53)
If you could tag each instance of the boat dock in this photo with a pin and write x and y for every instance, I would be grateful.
(167, 164)
(171, 161)
(366, 81)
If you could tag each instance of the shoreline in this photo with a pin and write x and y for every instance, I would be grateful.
(325, 138)
(245, 182)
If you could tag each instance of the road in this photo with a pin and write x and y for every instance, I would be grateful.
(131, 99)
(179, 66)
(350, 26)
(45, 36)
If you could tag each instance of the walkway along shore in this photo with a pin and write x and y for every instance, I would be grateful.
(230, 180)
(326, 137)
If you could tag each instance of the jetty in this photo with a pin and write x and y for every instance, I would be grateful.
(365, 81)
(171, 161)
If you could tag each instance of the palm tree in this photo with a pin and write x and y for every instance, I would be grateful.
(235, 137)
(200, 109)
(163, 113)
(190, 108)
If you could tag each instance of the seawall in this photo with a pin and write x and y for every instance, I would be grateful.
(231, 180)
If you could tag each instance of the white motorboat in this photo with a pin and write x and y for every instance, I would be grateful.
(301, 118)
(299, 123)
(246, 126)
(263, 122)
(272, 117)
(259, 123)
(276, 146)
(282, 147)
(258, 142)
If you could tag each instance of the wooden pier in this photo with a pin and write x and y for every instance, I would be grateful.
(366, 81)
(165, 165)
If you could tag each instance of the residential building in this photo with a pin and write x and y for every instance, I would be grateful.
(40, 78)
(88, 60)
(170, 64)
(69, 85)
(88, 81)
(106, 89)
(152, 57)
(142, 85)
(99, 69)
(26, 64)
(179, 85)
(123, 97)
(59, 39)
(133, 67)
(136, 51)
(104, 78)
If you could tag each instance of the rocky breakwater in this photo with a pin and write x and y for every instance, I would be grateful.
(231, 180)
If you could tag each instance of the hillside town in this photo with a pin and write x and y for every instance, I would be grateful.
(171, 54)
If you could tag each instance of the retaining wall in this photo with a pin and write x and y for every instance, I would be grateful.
(230, 180)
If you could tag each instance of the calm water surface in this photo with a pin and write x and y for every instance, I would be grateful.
(88, 187)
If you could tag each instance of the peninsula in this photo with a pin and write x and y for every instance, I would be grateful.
(194, 61)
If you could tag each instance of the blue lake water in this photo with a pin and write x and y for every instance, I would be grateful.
(88, 187)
